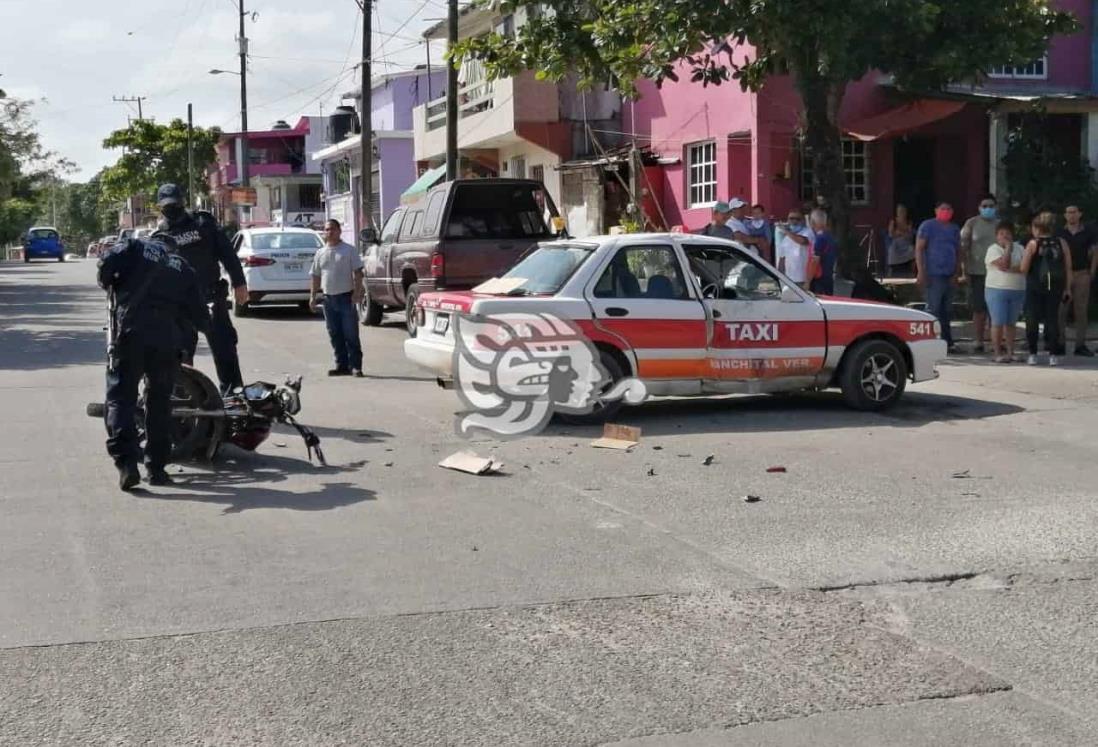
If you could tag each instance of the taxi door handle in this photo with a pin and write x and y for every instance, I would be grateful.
(617, 311)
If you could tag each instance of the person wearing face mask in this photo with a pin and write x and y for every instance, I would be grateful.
(937, 260)
(758, 225)
(795, 249)
(978, 233)
(206, 248)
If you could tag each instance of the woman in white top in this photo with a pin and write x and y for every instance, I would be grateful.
(1005, 290)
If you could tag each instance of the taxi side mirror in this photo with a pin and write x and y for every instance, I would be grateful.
(368, 236)
(789, 295)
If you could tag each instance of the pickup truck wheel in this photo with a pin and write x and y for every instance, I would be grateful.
(601, 412)
(410, 297)
(369, 311)
(874, 376)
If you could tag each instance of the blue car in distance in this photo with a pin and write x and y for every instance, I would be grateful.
(43, 242)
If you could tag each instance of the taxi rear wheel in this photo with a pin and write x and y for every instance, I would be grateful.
(874, 376)
(601, 412)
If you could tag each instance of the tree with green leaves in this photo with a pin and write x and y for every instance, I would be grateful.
(825, 45)
(27, 169)
(153, 154)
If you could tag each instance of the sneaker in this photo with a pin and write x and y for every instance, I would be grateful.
(1084, 351)
(357, 373)
(128, 477)
(158, 476)
(1031, 360)
(1053, 360)
(339, 372)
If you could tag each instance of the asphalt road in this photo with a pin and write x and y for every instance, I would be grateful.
(922, 577)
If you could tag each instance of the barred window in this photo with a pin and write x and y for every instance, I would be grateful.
(855, 169)
(701, 160)
(1036, 70)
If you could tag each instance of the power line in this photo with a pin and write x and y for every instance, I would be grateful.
(131, 100)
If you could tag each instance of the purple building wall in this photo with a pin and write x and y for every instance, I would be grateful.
(398, 171)
(396, 97)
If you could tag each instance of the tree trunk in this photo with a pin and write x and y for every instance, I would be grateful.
(822, 99)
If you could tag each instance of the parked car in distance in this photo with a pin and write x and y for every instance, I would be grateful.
(43, 242)
(458, 235)
(691, 315)
(277, 263)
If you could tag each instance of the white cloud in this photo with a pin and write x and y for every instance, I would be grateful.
(84, 30)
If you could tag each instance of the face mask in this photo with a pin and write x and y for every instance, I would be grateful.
(172, 212)
(758, 223)
(795, 226)
(988, 213)
(945, 215)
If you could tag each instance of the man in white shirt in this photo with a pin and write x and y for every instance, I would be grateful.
(337, 271)
(795, 249)
(741, 233)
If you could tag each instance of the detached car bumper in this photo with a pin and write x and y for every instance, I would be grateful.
(436, 357)
(925, 357)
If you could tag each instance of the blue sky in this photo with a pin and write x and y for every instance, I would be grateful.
(78, 55)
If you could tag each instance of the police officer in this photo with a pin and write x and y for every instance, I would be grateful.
(202, 243)
(154, 291)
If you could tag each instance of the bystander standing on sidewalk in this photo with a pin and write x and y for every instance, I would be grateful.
(901, 245)
(337, 271)
(937, 259)
(1082, 240)
(977, 234)
(826, 252)
(1006, 290)
(795, 250)
(1047, 264)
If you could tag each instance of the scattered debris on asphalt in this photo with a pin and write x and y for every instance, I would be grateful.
(967, 475)
(280, 444)
(684, 456)
(708, 460)
(651, 472)
(476, 549)
(620, 437)
(776, 470)
(470, 463)
(388, 464)
(751, 499)
(657, 448)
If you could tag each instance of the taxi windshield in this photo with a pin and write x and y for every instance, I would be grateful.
(548, 268)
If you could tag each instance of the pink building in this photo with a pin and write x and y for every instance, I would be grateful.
(721, 142)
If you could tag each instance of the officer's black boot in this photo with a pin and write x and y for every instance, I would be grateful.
(128, 476)
(159, 476)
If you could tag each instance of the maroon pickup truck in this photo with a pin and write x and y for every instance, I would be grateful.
(458, 235)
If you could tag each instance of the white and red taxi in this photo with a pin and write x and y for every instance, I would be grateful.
(692, 315)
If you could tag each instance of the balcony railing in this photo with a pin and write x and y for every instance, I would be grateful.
(473, 98)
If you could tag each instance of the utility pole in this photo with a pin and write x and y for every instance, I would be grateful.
(132, 100)
(243, 43)
(190, 156)
(366, 128)
(452, 95)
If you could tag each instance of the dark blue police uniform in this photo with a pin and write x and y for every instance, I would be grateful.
(155, 293)
(202, 243)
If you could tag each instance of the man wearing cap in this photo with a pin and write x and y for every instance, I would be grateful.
(202, 243)
(742, 233)
(718, 225)
(154, 292)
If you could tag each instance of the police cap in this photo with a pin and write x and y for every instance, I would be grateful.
(169, 194)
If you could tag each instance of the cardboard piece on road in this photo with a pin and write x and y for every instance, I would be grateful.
(467, 461)
(499, 286)
(620, 437)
